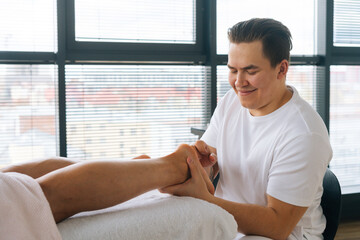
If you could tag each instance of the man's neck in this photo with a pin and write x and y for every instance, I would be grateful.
(284, 97)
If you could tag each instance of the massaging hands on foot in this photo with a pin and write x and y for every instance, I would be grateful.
(202, 169)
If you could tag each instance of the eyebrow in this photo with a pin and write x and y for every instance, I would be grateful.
(251, 66)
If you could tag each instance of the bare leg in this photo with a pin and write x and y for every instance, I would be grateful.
(142, 157)
(95, 185)
(36, 169)
(39, 168)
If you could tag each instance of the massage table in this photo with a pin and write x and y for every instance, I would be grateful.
(152, 215)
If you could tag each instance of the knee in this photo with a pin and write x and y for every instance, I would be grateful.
(55, 162)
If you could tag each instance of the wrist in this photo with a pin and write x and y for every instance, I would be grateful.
(209, 197)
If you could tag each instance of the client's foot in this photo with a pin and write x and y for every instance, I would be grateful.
(179, 157)
(179, 160)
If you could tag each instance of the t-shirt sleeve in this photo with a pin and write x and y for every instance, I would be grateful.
(212, 131)
(210, 134)
(298, 169)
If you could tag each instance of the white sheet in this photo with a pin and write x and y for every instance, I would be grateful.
(25, 212)
(153, 216)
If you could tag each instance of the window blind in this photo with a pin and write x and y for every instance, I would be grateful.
(123, 111)
(303, 78)
(28, 25)
(143, 21)
(344, 125)
(347, 23)
(28, 101)
(298, 16)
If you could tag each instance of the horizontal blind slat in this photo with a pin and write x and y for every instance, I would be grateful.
(28, 25)
(298, 16)
(346, 23)
(345, 123)
(123, 111)
(134, 21)
(28, 112)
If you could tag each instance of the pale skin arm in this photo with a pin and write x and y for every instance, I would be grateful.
(275, 221)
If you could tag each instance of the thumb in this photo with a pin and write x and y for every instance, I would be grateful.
(213, 158)
(202, 147)
(199, 173)
(195, 173)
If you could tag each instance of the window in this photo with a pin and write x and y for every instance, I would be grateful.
(28, 100)
(162, 21)
(28, 25)
(344, 124)
(166, 101)
(138, 64)
(298, 16)
(347, 23)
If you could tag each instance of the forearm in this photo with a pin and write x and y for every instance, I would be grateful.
(254, 219)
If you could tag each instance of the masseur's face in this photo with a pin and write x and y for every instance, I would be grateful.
(257, 84)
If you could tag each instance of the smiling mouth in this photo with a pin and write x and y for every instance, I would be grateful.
(245, 93)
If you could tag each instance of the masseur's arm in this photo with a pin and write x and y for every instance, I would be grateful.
(276, 220)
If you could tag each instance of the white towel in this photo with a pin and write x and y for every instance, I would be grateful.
(153, 216)
(25, 212)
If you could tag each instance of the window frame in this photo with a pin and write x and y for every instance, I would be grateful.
(203, 52)
(129, 49)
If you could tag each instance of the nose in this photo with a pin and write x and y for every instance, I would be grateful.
(240, 80)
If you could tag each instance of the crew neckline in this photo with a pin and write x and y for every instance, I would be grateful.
(277, 111)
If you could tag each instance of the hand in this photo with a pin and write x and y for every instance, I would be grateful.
(196, 186)
(206, 157)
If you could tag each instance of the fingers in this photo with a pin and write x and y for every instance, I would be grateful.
(209, 184)
(202, 147)
(199, 180)
(198, 173)
(213, 158)
(180, 189)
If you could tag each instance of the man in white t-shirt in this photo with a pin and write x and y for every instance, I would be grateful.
(272, 148)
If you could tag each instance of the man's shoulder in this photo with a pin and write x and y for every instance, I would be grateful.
(305, 115)
(228, 102)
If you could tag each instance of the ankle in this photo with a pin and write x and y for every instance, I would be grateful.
(178, 160)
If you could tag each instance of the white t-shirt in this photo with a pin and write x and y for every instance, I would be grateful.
(284, 154)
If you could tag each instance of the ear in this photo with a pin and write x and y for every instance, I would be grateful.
(283, 69)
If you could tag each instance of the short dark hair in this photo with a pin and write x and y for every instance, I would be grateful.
(275, 37)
